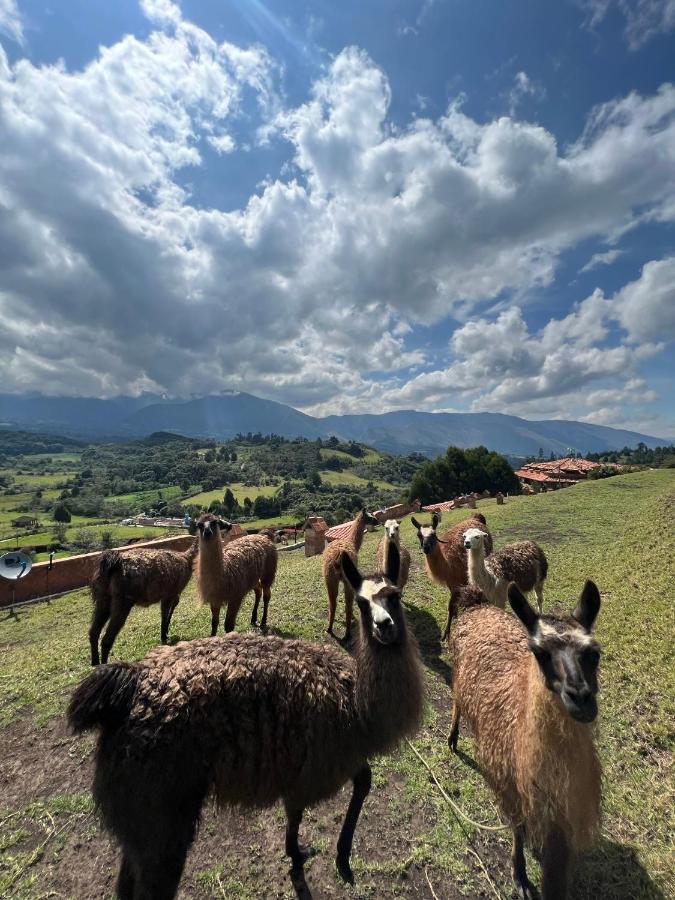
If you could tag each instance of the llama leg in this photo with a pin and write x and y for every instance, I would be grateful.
(254, 616)
(349, 607)
(99, 618)
(160, 868)
(332, 587)
(231, 615)
(117, 619)
(454, 728)
(125, 879)
(539, 591)
(525, 888)
(298, 854)
(362, 782)
(555, 863)
(168, 607)
(215, 618)
(267, 593)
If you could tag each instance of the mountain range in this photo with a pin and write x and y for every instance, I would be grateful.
(222, 416)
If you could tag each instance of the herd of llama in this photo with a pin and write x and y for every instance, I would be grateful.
(252, 718)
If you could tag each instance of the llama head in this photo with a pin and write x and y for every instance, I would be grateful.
(210, 526)
(473, 538)
(426, 534)
(379, 598)
(391, 529)
(566, 652)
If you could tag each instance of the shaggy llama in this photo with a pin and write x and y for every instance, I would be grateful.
(250, 720)
(523, 562)
(138, 577)
(529, 695)
(227, 573)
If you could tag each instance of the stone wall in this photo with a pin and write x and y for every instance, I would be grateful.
(69, 573)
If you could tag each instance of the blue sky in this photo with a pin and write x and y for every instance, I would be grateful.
(345, 207)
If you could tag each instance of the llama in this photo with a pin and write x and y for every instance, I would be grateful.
(529, 695)
(523, 562)
(139, 577)
(445, 558)
(227, 573)
(333, 570)
(392, 535)
(250, 720)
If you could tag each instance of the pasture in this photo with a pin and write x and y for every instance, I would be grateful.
(410, 841)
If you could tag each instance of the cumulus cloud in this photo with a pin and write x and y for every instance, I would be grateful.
(114, 280)
(644, 19)
(10, 21)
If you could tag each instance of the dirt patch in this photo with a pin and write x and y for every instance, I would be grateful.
(45, 777)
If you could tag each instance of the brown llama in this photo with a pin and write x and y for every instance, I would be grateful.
(139, 577)
(529, 695)
(227, 573)
(249, 720)
(332, 569)
(446, 557)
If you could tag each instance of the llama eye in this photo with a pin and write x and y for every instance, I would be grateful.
(591, 657)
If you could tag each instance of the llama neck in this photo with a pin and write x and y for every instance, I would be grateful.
(357, 531)
(558, 757)
(210, 568)
(478, 574)
(389, 691)
(437, 564)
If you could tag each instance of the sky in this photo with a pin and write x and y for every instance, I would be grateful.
(347, 207)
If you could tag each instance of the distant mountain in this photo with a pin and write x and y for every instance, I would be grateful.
(223, 416)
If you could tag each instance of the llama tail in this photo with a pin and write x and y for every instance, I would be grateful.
(109, 562)
(104, 698)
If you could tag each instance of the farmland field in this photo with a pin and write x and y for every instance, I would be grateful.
(409, 842)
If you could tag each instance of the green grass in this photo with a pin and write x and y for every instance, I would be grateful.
(139, 498)
(353, 480)
(618, 531)
(240, 491)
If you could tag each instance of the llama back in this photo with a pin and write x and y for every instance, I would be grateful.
(515, 563)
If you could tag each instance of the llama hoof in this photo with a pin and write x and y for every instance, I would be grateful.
(344, 869)
(452, 742)
(525, 890)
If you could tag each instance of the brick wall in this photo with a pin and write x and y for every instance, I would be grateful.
(69, 573)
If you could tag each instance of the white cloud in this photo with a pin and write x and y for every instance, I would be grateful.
(645, 19)
(315, 282)
(601, 259)
(10, 21)
(524, 86)
(646, 307)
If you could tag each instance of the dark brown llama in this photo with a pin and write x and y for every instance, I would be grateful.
(250, 720)
(137, 577)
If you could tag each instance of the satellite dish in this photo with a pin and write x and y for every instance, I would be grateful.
(15, 565)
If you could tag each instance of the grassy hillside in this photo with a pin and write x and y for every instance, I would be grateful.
(617, 531)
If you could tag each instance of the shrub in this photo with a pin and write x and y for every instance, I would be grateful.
(61, 513)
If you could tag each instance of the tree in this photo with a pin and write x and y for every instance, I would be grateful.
(229, 502)
(61, 513)
(59, 533)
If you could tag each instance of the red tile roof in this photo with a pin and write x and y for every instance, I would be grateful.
(439, 507)
(339, 531)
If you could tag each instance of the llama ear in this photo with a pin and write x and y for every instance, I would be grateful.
(350, 572)
(224, 526)
(522, 608)
(415, 522)
(434, 521)
(588, 606)
(393, 563)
